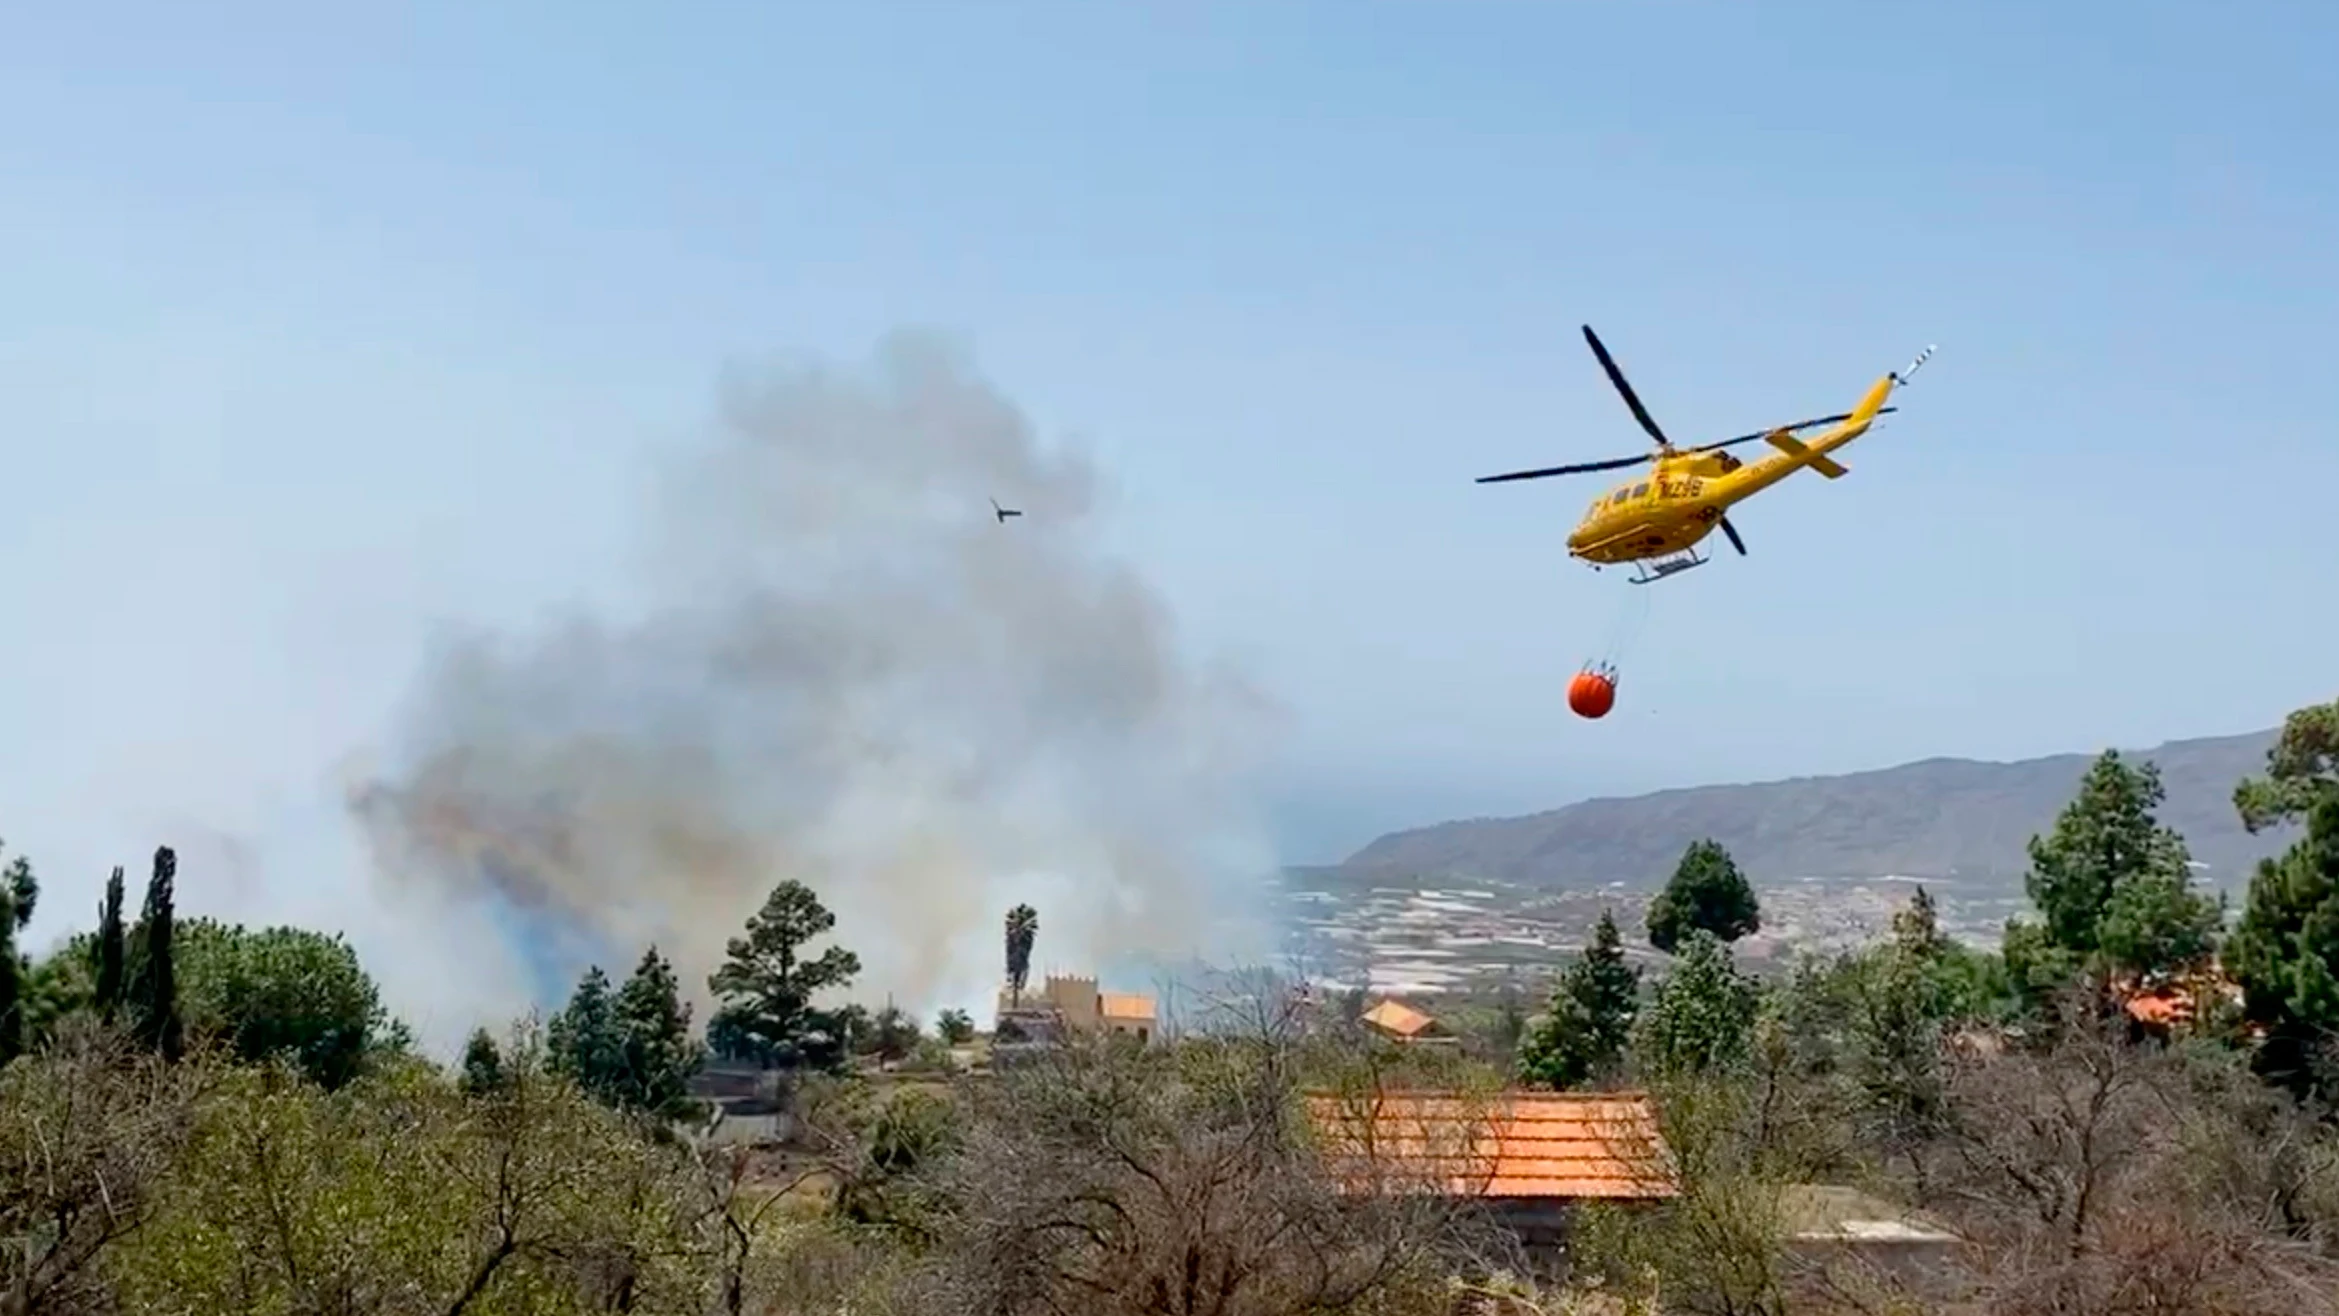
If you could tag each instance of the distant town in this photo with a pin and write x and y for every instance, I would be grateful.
(1467, 936)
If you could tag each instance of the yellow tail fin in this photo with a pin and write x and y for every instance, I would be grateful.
(1871, 404)
(1853, 427)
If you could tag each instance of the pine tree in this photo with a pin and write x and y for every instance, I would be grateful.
(2285, 953)
(2107, 835)
(893, 1034)
(848, 1030)
(2301, 767)
(1898, 1022)
(1916, 929)
(1584, 1035)
(24, 891)
(768, 987)
(2285, 956)
(656, 1054)
(582, 1041)
(153, 995)
(1703, 1017)
(1708, 894)
(2113, 890)
(112, 944)
(483, 1065)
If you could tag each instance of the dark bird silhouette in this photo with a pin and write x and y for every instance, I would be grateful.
(1003, 512)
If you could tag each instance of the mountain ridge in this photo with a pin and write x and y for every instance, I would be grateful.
(1948, 819)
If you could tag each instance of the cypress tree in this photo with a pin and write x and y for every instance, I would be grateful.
(11, 981)
(154, 989)
(111, 945)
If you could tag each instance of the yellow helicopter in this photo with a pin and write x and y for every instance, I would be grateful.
(1656, 523)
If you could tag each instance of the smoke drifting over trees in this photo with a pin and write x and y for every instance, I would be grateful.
(851, 674)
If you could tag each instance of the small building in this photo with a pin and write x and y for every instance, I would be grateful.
(1067, 1004)
(1401, 1023)
(727, 1128)
(1530, 1157)
(744, 1103)
(1127, 1014)
(1833, 1234)
(725, 1081)
(2165, 1008)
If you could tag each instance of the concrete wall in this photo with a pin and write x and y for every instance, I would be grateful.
(1920, 1267)
(750, 1130)
(1075, 1001)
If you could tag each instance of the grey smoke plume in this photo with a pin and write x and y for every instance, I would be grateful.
(855, 676)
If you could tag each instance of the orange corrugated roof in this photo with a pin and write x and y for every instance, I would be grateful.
(1398, 1018)
(1125, 1007)
(1568, 1145)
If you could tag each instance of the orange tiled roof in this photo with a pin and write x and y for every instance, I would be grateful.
(2161, 1009)
(1124, 1007)
(2176, 1002)
(1399, 1018)
(1565, 1145)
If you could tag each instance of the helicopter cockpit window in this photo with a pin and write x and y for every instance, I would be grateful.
(1640, 491)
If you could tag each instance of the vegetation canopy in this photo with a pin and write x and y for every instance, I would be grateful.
(197, 1117)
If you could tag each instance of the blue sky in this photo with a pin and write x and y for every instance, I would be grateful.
(322, 328)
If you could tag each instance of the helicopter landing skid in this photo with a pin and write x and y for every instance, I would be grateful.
(1648, 571)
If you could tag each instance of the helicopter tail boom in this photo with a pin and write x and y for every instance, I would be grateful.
(1794, 447)
(1794, 454)
(1853, 427)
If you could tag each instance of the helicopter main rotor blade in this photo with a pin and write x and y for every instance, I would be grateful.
(1619, 463)
(1732, 532)
(1631, 399)
(1579, 468)
(1798, 425)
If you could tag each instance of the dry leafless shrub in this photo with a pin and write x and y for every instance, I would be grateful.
(822, 1267)
(90, 1127)
(2075, 1175)
(1106, 1180)
(1717, 1248)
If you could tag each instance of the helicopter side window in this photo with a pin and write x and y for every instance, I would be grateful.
(1640, 491)
(1621, 495)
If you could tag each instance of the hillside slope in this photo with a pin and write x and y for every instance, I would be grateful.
(1944, 819)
